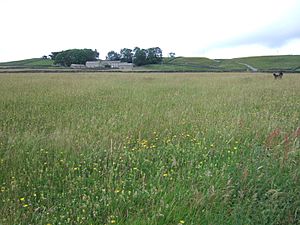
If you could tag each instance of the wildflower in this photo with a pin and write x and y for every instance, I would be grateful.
(165, 174)
(112, 221)
(181, 221)
(235, 148)
(117, 191)
(25, 205)
(22, 199)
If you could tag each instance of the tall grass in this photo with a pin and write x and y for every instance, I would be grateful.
(149, 149)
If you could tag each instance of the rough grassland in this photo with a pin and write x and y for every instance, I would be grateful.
(149, 149)
(272, 63)
(30, 63)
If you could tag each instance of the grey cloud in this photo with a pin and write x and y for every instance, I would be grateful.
(274, 35)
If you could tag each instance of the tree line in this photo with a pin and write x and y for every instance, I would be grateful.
(137, 56)
(74, 56)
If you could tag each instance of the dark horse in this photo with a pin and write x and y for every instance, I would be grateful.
(278, 75)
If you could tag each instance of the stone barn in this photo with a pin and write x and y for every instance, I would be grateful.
(109, 64)
(77, 66)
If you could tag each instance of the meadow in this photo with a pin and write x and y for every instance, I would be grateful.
(129, 148)
(275, 63)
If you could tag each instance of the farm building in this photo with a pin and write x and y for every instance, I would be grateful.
(93, 64)
(77, 66)
(109, 64)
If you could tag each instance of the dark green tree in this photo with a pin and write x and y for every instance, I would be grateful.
(172, 54)
(140, 56)
(147, 56)
(154, 55)
(53, 55)
(74, 56)
(126, 55)
(113, 56)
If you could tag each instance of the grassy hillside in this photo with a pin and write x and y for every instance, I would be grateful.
(272, 63)
(29, 63)
(196, 64)
(262, 63)
(144, 149)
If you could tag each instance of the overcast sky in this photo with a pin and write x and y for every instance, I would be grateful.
(209, 28)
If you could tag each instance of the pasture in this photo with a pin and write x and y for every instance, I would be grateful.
(121, 148)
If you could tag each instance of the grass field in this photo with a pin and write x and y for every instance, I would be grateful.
(261, 63)
(149, 149)
(29, 63)
(197, 64)
(273, 63)
(290, 63)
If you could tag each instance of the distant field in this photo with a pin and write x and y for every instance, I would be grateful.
(193, 64)
(149, 149)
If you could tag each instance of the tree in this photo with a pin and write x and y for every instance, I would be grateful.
(113, 56)
(140, 56)
(53, 55)
(126, 55)
(154, 55)
(172, 54)
(147, 56)
(74, 56)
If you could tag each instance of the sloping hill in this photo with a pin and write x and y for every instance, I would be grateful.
(289, 63)
(272, 63)
(196, 64)
(29, 63)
